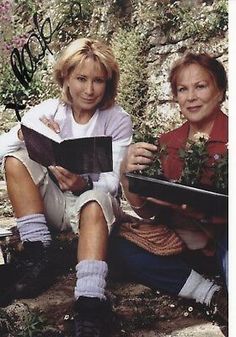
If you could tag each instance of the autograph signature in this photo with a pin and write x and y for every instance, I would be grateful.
(24, 62)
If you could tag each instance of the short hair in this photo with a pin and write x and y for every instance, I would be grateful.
(209, 63)
(78, 51)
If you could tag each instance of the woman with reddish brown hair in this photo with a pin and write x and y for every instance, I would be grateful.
(198, 83)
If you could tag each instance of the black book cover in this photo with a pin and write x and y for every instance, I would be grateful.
(81, 155)
(202, 199)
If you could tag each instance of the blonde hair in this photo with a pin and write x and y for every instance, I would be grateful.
(78, 51)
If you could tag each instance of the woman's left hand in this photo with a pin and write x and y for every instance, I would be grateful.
(50, 123)
(67, 180)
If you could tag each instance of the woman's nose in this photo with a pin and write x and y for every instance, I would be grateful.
(191, 94)
(89, 87)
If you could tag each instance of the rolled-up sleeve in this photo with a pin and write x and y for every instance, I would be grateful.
(109, 181)
(9, 142)
(120, 128)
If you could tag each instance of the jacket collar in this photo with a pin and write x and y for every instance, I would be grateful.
(178, 137)
(219, 131)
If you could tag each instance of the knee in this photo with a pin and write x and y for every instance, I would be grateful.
(13, 167)
(93, 211)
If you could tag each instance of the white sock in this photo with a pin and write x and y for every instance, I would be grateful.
(198, 288)
(91, 279)
(33, 227)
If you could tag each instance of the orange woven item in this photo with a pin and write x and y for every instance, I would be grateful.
(157, 239)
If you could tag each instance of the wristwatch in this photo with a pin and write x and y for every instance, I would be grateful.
(88, 186)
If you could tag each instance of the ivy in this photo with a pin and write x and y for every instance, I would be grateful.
(127, 46)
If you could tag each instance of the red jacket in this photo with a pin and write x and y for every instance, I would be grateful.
(174, 140)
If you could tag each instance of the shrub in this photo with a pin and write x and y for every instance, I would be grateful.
(127, 46)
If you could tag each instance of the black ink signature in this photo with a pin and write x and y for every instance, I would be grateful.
(24, 62)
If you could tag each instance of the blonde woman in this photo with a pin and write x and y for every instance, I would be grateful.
(88, 76)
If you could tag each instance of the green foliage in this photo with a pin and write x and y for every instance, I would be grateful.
(72, 17)
(75, 16)
(33, 325)
(27, 7)
(155, 170)
(195, 157)
(180, 20)
(127, 46)
(220, 176)
(175, 20)
(144, 134)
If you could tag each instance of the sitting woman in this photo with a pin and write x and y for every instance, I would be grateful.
(198, 84)
(42, 198)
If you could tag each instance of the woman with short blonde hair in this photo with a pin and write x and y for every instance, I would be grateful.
(87, 73)
(78, 51)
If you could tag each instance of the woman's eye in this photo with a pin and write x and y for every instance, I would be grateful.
(80, 78)
(201, 86)
(181, 89)
(99, 80)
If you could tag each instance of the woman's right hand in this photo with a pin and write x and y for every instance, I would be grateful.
(20, 135)
(189, 212)
(49, 122)
(138, 157)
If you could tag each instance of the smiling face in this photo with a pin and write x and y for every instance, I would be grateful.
(87, 86)
(197, 95)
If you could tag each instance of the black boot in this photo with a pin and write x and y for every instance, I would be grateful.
(219, 304)
(8, 277)
(92, 317)
(35, 270)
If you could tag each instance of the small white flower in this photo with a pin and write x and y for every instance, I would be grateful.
(216, 156)
(200, 136)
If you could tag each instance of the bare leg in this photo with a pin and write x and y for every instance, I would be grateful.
(23, 193)
(34, 264)
(92, 308)
(93, 233)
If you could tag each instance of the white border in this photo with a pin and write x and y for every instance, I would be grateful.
(232, 166)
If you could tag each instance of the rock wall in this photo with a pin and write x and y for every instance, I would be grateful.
(166, 30)
(146, 36)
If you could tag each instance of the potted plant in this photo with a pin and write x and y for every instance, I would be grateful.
(190, 187)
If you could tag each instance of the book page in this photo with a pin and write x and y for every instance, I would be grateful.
(43, 129)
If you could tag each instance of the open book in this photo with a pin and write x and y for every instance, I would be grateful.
(81, 155)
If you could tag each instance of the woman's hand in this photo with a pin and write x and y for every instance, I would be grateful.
(20, 135)
(189, 212)
(50, 123)
(47, 121)
(67, 180)
(138, 157)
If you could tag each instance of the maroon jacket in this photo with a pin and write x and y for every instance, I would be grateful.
(174, 140)
(172, 165)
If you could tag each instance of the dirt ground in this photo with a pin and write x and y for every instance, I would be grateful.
(138, 311)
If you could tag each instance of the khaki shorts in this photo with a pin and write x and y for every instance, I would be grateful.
(62, 209)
